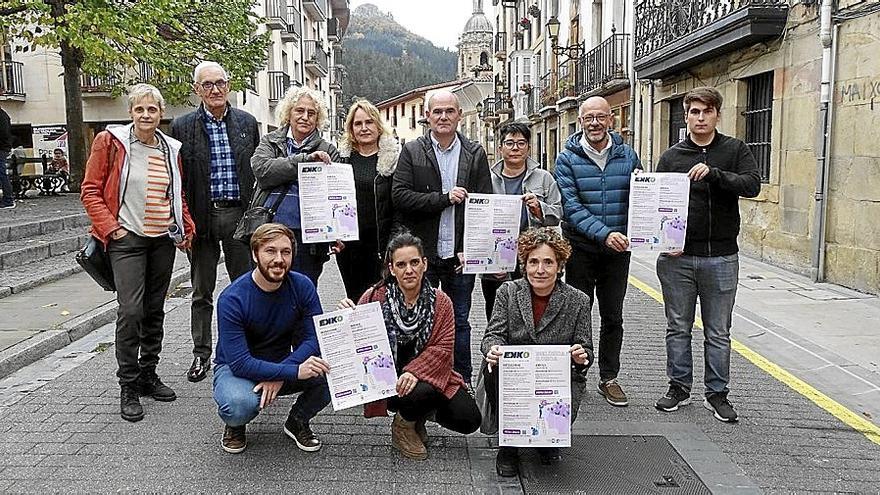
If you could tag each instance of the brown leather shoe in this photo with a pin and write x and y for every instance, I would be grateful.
(613, 393)
(234, 439)
(422, 431)
(406, 440)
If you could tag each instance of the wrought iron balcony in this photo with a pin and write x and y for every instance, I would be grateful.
(278, 84)
(98, 85)
(337, 74)
(11, 80)
(547, 89)
(490, 111)
(276, 14)
(316, 9)
(333, 30)
(672, 35)
(501, 45)
(606, 67)
(294, 25)
(315, 58)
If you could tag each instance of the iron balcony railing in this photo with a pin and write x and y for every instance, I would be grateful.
(490, 112)
(294, 24)
(660, 22)
(314, 57)
(501, 45)
(316, 9)
(11, 80)
(276, 14)
(547, 90)
(333, 29)
(91, 83)
(608, 61)
(337, 74)
(278, 84)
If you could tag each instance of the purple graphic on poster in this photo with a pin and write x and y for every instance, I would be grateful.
(381, 369)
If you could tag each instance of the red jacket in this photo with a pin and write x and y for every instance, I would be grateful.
(434, 364)
(102, 185)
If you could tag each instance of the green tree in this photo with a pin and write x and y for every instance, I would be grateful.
(126, 41)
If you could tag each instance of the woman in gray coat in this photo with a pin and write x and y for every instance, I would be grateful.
(535, 310)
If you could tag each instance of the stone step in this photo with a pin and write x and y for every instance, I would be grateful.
(43, 226)
(18, 279)
(23, 251)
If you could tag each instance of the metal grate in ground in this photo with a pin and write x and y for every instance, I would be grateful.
(613, 464)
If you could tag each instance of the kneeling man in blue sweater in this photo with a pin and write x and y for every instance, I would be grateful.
(267, 345)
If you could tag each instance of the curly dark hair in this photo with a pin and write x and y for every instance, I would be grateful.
(534, 238)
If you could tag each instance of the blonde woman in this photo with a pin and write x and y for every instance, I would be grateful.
(372, 152)
(302, 114)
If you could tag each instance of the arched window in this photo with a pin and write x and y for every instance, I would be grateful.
(484, 58)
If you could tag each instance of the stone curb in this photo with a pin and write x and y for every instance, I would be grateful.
(23, 230)
(48, 341)
(8, 290)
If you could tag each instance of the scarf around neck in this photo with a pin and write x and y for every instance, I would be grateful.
(407, 325)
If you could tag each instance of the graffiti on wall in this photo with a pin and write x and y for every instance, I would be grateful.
(859, 92)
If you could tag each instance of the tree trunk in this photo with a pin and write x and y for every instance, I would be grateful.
(71, 60)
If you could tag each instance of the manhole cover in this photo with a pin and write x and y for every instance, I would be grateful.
(613, 464)
(180, 292)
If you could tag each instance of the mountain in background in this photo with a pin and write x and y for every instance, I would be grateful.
(384, 59)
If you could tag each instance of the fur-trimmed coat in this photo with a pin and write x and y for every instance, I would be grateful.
(387, 221)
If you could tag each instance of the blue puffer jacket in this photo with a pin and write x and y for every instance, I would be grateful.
(595, 202)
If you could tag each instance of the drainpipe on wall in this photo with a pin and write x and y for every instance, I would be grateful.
(823, 142)
(651, 128)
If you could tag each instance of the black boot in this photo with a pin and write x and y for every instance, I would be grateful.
(549, 455)
(129, 404)
(150, 384)
(507, 462)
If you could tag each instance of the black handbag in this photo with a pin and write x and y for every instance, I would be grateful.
(95, 261)
(254, 217)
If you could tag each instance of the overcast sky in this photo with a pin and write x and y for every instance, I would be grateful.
(439, 21)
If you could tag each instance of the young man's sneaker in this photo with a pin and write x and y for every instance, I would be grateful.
(234, 439)
(674, 398)
(507, 462)
(300, 432)
(150, 384)
(613, 393)
(720, 407)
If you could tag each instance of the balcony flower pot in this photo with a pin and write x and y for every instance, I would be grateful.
(525, 23)
(534, 11)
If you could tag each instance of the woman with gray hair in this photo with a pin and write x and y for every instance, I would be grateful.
(132, 194)
(302, 114)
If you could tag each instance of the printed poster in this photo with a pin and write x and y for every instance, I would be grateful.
(327, 202)
(658, 211)
(354, 342)
(491, 228)
(535, 396)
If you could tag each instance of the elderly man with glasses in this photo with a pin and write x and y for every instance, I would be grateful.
(218, 142)
(593, 173)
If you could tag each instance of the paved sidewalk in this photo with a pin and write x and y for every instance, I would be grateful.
(67, 436)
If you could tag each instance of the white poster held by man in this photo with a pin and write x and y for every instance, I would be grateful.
(658, 211)
(327, 202)
(354, 342)
(491, 228)
(534, 401)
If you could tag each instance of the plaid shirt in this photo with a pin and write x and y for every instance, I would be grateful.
(224, 178)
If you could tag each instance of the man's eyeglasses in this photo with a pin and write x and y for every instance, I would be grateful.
(515, 144)
(210, 85)
(595, 118)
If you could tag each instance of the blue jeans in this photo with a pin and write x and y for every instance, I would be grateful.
(713, 279)
(238, 404)
(459, 288)
(5, 185)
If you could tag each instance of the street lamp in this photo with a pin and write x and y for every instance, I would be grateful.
(479, 107)
(572, 51)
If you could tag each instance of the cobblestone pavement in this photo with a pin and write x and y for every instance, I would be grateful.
(67, 434)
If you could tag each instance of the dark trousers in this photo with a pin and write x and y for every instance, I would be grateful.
(142, 272)
(203, 258)
(5, 185)
(238, 404)
(459, 414)
(359, 264)
(490, 286)
(459, 288)
(310, 258)
(603, 277)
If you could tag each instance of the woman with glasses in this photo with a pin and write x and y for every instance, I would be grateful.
(518, 174)
(132, 192)
(421, 329)
(539, 309)
(372, 152)
(302, 114)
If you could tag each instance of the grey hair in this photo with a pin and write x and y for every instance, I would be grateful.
(140, 91)
(444, 92)
(208, 64)
(293, 94)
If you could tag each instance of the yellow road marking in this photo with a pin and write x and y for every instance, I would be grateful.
(841, 412)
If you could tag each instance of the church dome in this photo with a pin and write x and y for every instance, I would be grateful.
(478, 23)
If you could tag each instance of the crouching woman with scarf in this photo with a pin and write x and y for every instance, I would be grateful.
(421, 330)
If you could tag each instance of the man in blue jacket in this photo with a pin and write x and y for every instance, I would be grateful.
(259, 316)
(593, 173)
